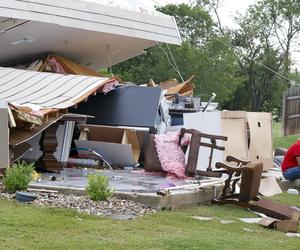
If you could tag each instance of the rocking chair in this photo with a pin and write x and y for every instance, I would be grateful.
(250, 175)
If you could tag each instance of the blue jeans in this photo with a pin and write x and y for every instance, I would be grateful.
(292, 173)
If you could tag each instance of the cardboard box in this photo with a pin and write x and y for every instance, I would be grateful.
(260, 125)
(120, 146)
(234, 126)
(280, 225)
(241, 127)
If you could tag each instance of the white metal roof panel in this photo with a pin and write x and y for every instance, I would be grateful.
(45, 90)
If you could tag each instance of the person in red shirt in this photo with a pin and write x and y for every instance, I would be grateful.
(291, 163)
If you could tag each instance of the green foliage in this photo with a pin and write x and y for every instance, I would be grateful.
(264, 41)
(244, 76)
(18, 176)
(98, 187)
(213, 64)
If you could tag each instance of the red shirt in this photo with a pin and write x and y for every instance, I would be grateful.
(290, 160)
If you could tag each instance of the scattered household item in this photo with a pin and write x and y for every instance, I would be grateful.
(234, 127)
(293, 234)
(173, 88)
(202, 218)
(269, 187)
(250, 176)
(199, 139)
(249, 136)
(260, 148)
(293, 191)
(25, 196)
(131, 106)
(206, 123)
(280, 225)
(280, 151)
(250, 220)
(120, 146)
(157, 150)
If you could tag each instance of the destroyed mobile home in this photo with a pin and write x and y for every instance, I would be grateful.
(157, 144)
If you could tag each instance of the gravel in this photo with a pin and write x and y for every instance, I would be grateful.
(113, 207)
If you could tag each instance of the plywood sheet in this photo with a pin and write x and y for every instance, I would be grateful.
(210, 123)
(260, 126)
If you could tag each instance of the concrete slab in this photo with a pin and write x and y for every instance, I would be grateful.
(142, 187)
(134, 185)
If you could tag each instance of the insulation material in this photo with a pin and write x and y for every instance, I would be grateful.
(4, 152)
(234, 126)
(170, 153)
(260, 126)
(210, 123)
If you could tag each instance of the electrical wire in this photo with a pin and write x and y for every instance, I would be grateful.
(172, 65)
(234, 48)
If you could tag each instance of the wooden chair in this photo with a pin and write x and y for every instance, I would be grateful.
(250, 173)
(196, 142)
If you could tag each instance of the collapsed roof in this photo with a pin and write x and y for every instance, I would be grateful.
(91, 34)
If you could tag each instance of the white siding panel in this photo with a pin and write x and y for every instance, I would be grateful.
(109, 20)
(46, 90)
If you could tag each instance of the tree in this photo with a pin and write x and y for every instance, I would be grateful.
(213, 64)
(263, 45)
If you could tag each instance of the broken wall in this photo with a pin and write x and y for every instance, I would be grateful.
(4, 135)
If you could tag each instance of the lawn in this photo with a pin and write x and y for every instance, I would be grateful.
(29, 227)
(279, 140)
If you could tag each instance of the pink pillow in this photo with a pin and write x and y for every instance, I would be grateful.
(170, 154)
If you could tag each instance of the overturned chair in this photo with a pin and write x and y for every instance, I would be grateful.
(250, 173)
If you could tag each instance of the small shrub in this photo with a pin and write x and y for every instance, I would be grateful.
(18, 176)
(98, 187)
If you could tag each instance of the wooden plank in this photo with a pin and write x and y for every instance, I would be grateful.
(21, 116)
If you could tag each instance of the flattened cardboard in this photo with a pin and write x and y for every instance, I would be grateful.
(269, 187)
(210, 123)
(4, 135)
(234, 126)
(280, 225)
(260, 126)
(120, 146)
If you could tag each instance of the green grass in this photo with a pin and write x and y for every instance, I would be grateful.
(279, 140)
(29, 227)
